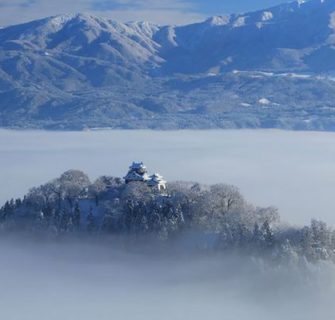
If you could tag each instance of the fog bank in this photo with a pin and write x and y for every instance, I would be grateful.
(294, 171)
(78, 281)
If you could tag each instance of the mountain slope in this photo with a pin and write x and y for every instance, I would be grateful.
(286, 37)
(270, 68)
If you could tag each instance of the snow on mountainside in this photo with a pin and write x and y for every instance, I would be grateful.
(77, 71)
(296, 36)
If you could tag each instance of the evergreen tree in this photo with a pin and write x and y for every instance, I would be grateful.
(287, 253)
(40, 223)
(91, 223)
(242, 235)
(56, 221)
(305, 243)
(8, 209)
(268, 235)
(257, 236)
(64, 222)
(76, 216)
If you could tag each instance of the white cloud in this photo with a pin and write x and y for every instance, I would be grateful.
(162, 17)
(157, 11)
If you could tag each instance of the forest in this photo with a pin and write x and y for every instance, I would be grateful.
(215, 218)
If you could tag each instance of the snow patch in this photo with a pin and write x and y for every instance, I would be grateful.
(147, 28)
(332, 20)
(240, 22)
(301, 2)
(267, 15)
(218, 20)
(171, 37)
(229, 60)
(58, 22)
(295, 75)
(264, 101)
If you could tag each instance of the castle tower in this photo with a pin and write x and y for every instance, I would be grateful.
(156, 181)
(137, 172)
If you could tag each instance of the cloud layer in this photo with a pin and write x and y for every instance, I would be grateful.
(157, 11)
(80, 281)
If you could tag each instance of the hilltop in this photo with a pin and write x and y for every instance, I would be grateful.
(196, 217)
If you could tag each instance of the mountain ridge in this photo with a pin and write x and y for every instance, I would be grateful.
(253, 70)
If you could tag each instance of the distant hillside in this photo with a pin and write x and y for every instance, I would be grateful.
(272, 69)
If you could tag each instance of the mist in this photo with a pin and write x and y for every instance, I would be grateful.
(93, 279)
(96, 281)
(294, 171)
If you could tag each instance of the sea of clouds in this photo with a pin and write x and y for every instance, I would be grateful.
(97, 281)
(294, 171)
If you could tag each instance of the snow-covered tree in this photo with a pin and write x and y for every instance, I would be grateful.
(91, 224)
(76, 218)
(217, 211)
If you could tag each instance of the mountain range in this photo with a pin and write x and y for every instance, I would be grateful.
(273, 68)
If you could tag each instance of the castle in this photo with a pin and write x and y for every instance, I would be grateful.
(139, 173)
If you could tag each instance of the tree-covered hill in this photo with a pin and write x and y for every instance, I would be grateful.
(217, 216)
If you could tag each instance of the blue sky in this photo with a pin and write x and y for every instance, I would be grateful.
(158, 11)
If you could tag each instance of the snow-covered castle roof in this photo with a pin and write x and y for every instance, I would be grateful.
(138, 166)
(138, 173)
(156, 179)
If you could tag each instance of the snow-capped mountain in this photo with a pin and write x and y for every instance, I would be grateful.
(296, 37)
(270, 68)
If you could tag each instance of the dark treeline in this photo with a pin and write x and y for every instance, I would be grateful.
(217, 216)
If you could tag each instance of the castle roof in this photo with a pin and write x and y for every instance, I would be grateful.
(137, 166)
(156, 179)
(138, 172)
(134, 176)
